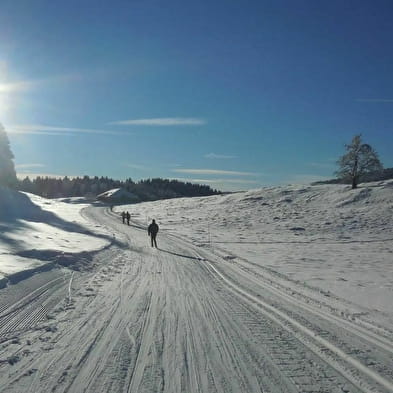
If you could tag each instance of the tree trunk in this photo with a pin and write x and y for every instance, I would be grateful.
(355, 172)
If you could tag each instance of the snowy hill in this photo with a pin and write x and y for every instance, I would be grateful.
(282, 289)
(325, 236)
(36, 232)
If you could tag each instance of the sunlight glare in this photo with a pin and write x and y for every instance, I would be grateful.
(4, 101)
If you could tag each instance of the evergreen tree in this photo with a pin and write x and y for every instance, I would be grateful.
(359, 160)
(7, 168)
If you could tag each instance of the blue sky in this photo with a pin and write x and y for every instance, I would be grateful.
(232, 94)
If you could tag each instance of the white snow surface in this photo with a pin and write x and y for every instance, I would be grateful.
(116, 193)
(32, 226)
(280, 290)
(324, 236)
(110, 192)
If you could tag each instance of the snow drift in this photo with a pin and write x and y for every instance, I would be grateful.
(37, 232)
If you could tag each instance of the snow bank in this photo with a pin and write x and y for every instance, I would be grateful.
(35, 231)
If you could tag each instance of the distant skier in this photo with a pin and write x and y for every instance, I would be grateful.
(152, 231)
(128, 216)
(123, 216)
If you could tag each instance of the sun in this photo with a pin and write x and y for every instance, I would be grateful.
(9, 91)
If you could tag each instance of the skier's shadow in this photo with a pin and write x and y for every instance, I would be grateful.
(179, 255)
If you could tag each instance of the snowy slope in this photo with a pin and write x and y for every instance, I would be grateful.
(278, 290)
(36, 231)
(325, 236)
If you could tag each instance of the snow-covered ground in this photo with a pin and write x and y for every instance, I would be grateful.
(283, 289)
(36, 232)
(329, 237)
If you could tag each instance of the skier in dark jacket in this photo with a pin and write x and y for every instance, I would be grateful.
(123, 216)
(128, 218)
(152, 231)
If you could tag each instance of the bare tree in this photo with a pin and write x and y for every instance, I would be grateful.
(7, 168)
(359, 160)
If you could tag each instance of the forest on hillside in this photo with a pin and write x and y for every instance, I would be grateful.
(90, 187)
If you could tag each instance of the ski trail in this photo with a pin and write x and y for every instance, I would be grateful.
(179, 319)
(274, 311)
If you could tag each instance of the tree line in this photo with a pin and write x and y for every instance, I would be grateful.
(360, 163)
(143, 190)
(49, 187)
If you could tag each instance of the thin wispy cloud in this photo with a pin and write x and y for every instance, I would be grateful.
(28, 132)
(374, 100)
(55, 130)
(219, 156)
(137, 166)
(213, 181)
(161, 122)
(306, 178)
(22, 175)
(26, 166)
(213, 172)
(322, 165)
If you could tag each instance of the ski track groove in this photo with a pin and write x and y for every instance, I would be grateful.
(9, 308)
(36, 308)
(53, 364)
(350, 375)
(380, 339)
(375, 347)
(366, 340)
(225, 337)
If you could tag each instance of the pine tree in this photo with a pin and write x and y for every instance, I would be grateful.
(7, 168)
(359, 160)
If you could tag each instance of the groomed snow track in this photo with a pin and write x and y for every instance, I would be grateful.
(181, 319)
(349, 367)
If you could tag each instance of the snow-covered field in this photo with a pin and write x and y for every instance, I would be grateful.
(283, 289)
(328, 237)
